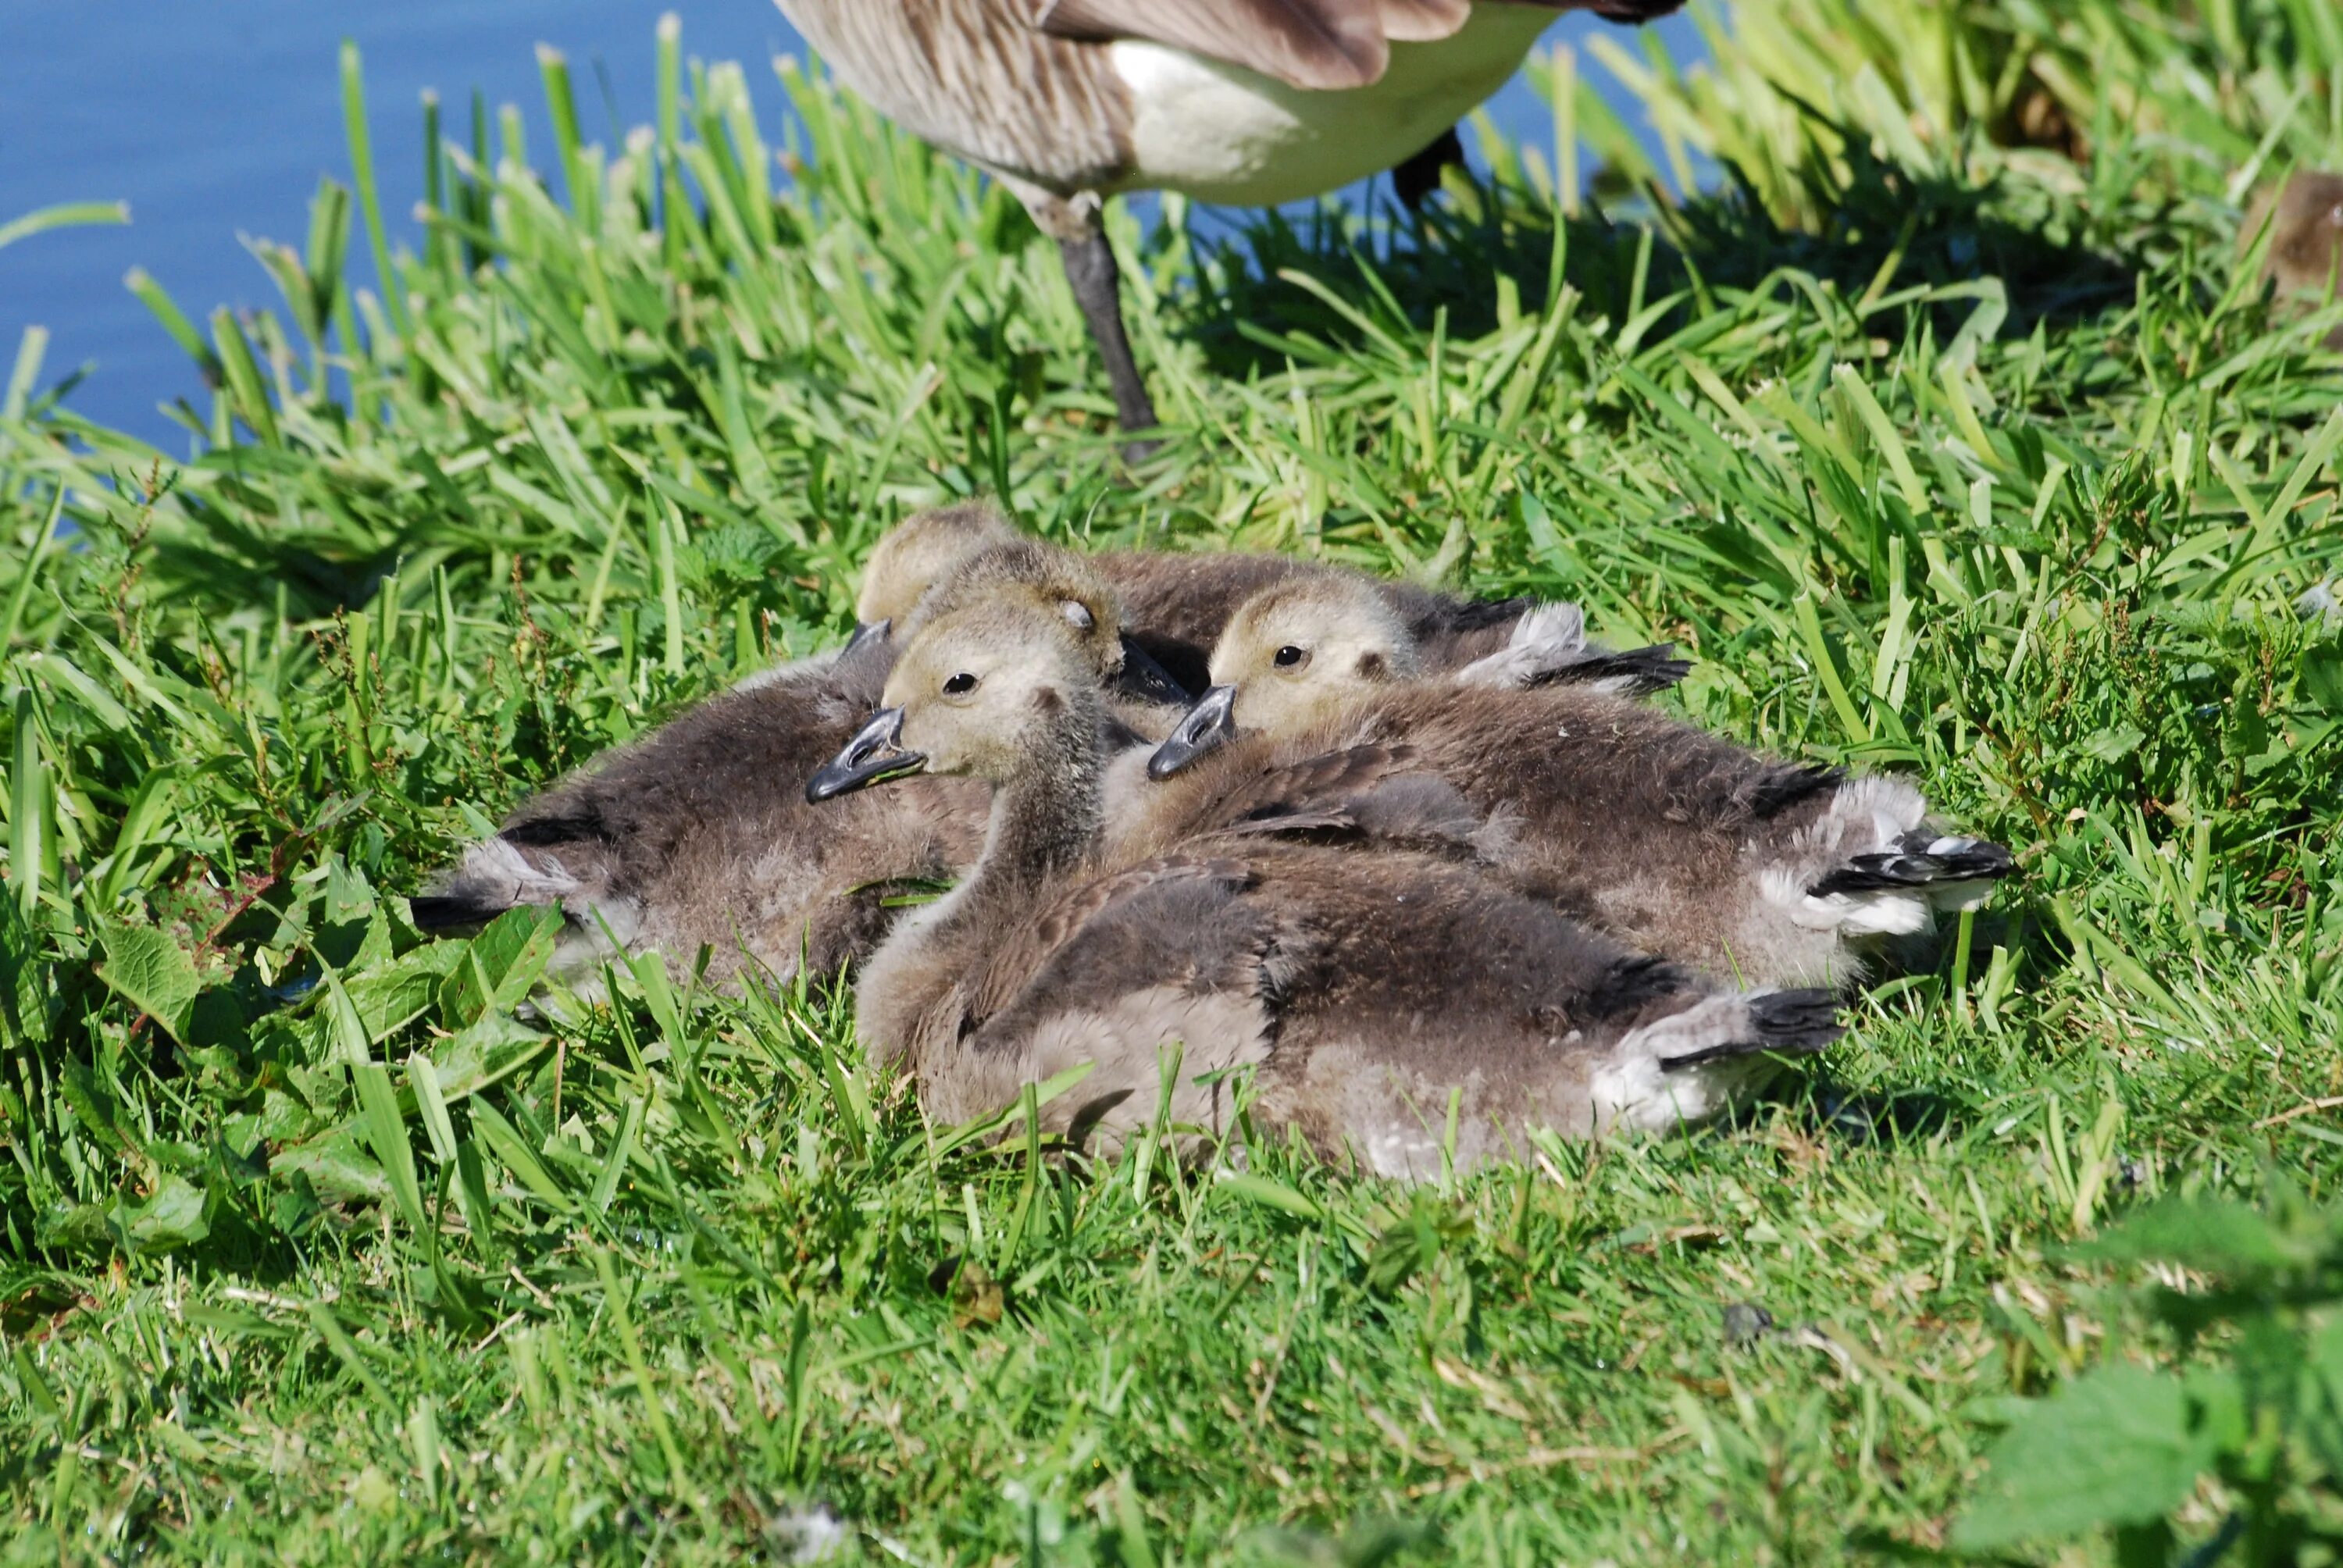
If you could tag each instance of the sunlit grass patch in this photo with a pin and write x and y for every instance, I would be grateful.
(1952, 458)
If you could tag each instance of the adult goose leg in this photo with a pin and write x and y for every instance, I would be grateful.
(1098, 290)
(1414, 178)
(1097, 282)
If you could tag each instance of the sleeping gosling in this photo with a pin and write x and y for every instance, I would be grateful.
(1360, 989)
(1671, 840)
(699, 834)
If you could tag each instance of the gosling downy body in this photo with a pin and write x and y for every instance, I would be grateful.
(1674, 841)
(700, 833)
(1250, 102)
(1361, 988)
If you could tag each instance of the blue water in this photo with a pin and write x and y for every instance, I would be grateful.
(217, 120)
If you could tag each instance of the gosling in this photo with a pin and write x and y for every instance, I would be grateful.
(1671, 840)
(1360, 989)
(698, 835)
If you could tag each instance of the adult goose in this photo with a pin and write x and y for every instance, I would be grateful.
(1362, 988)
(1674, 841)
(1251, 102)
(700, 833)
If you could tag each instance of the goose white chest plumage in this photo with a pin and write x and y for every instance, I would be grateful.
(1222, 133)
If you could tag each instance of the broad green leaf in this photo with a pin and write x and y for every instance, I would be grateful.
(90, 1103)
(151, 972)
(2112, 1447)
(395, 994)
(2115, 743)
(171, 1217)
(2322, 675)
(502, 964)
(336, 1164)
(480, 1054)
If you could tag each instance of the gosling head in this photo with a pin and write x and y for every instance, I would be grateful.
(920, 552)
(1292, 655)
(1055, 581)
(979, 693)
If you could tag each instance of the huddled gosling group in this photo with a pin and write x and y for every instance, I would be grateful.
(1426, 870)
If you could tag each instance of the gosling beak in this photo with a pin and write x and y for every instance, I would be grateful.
(866, 634)
(1209, 726)
(1143, 678)
(874, 754)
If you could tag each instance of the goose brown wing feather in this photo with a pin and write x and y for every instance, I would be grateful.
(1317, 43)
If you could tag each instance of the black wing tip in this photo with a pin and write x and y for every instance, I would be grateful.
(1805, 1018)
(1914, 864)
(1796, 1022)
(453, 911)
(1634, 981)
(1779, 789)
(556, 828)
(1639, 671)
(1477, 614)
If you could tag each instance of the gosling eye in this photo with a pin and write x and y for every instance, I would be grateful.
(1078, 613)
(1291, 657)
(959, 685)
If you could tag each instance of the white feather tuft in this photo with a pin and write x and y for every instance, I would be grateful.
(1548, 637)
(1632, 1094)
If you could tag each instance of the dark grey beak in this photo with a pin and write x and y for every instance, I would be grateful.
(1143, 678)
(873, 755)
(866, 633)
(1209, 726)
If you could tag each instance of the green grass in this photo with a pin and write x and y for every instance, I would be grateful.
(1950, 457)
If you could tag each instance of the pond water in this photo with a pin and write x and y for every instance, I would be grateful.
(216, 121)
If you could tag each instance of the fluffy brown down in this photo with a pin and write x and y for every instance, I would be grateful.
(1363, 988)
(1647, 827)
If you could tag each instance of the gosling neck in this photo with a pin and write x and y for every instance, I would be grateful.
(1049, 812)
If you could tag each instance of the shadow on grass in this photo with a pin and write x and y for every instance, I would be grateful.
(1471, 249)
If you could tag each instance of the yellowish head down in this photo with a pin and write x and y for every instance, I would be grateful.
(982, 693)
(921, 551)
(1297, 652)
(975, 687)
(1039, 576)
